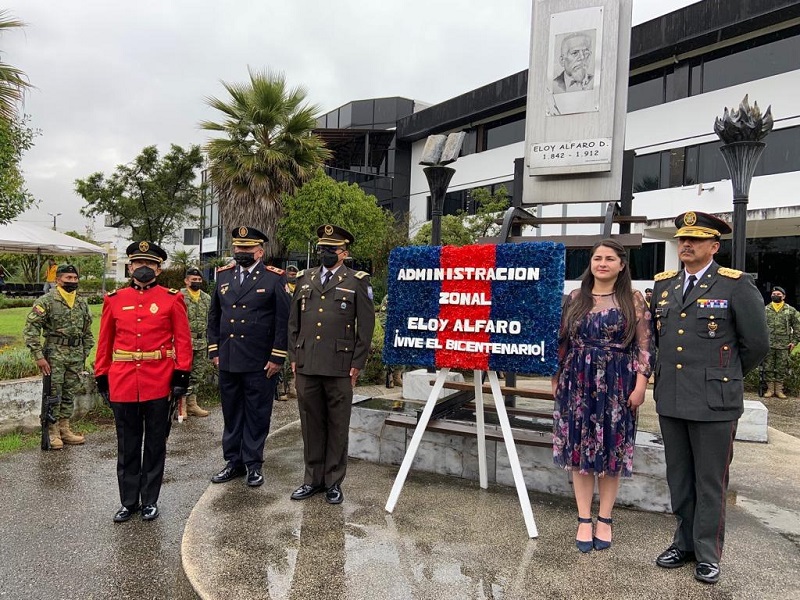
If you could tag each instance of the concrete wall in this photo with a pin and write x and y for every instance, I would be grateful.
(21, 401)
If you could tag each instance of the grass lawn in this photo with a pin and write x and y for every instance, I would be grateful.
(12, 320)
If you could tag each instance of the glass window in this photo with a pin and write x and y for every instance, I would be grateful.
(191, 237)
(780, 155)
(506, 131)
(753, 60)
(696, 79)
(711, 165)
(649, 92)
(386, 111)
(647, 172)
(690, 166)
(362, 114)
(577, 260)
(470, 145)
(332, 121)
(345, 116)
(646, 261)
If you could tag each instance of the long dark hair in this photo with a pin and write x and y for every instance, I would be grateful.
(578, 308)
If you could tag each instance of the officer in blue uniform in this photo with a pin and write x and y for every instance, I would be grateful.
(247, 325)
(711, 333)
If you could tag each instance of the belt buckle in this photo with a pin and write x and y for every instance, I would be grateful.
(137, 355)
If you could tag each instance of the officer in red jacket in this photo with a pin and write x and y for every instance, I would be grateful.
(144, 352)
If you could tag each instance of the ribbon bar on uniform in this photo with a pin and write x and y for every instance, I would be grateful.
(126, 355)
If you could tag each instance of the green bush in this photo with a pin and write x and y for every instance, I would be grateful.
(374, 370)
(207, 390)
(751, 382)
(791, 385)
(16, 363)
(6, 302)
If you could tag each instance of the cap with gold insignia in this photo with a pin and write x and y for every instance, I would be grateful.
(66, 269)
(701, 225)
(146, 251)
(332, 235)
(247, 236)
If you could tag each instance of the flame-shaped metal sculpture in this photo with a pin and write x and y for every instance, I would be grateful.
(746, 124)
(742, 132)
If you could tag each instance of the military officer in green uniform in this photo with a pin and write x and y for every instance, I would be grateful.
(63, 320)
(783, 322)
(330, 330)
(197, 305)
(711, 332)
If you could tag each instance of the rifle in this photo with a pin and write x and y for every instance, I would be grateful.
(47, 417)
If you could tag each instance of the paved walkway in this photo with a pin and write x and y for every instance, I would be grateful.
(447, 538)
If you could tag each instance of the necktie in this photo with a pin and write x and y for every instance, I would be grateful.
(326, 278)
(689, 287)
(242, 275)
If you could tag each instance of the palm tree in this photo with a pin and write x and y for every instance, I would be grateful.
(13, 82)
(269, 151)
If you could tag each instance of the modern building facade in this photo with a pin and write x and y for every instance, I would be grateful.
(685, 68)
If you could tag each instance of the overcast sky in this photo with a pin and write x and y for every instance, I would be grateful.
(112, 77)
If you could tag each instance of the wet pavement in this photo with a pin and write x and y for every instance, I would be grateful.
(446, 539)
(58, 539)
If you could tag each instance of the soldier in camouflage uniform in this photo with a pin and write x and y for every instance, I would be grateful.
(197, 305)
(64, 321)
(783, 322)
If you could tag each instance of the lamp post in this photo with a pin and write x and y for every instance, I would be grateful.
(741, 132)
(440, 150)
(55, 216)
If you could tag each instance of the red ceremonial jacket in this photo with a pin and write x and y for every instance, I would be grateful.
(147, 320)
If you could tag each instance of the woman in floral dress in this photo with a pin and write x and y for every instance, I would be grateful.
(605, 358)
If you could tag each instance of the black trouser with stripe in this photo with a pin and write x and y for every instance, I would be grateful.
(140, 473)
(698, 455)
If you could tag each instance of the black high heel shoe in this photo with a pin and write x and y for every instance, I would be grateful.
(581, 545)
(602, 544)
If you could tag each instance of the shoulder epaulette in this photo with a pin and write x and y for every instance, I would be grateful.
(226, 267)
(173, 291)
(361, 274)
(111, 293)
(275, 270)
(732, 273)
(300, 273)
(665, 275)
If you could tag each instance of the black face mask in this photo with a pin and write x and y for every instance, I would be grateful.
(328, 258)
(144, 275)
(195, 285)
(776, 299)
(244, 259)
(69, 286)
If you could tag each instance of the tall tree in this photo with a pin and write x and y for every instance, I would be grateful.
(152, 196)
(13, 82)
(462, 229)
(268, 151)
(15, 138)
(323, 200)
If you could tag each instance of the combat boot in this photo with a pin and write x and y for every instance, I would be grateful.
(67, 435)
(193, 409)
(779, 391)
(55, 437)
(769, 393)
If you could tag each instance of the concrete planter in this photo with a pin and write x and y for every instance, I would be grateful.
(21, 401)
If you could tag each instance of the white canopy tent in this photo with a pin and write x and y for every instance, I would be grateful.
(23, 238)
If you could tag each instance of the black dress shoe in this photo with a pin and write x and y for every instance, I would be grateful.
(306, 491)
(125, 513)
(707, 572)
(149, 512)
(254, 477)
(334, 494)
(674, 557)
(228, 473)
